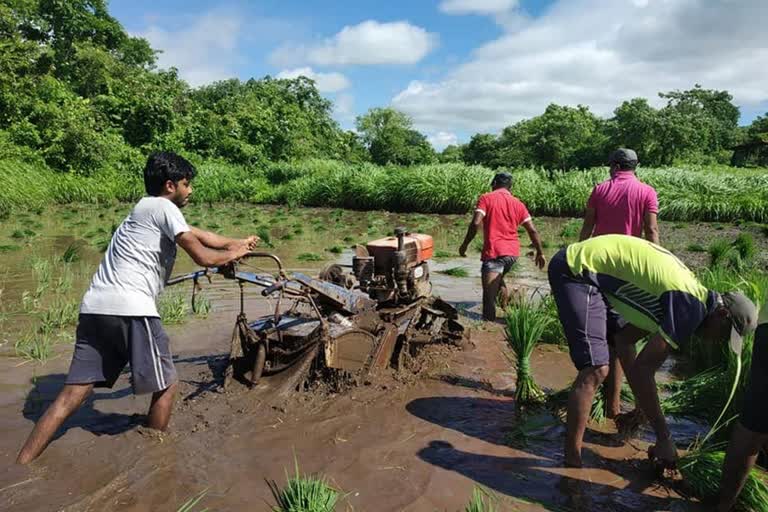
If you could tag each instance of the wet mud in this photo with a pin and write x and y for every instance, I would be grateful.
(420, 440)
(390, 444)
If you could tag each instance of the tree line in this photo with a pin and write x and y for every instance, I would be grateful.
(79, 94)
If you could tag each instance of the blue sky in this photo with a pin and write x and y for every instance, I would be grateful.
(459, 67)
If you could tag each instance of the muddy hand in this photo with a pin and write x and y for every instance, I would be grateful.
(663, 454)
(540, 260)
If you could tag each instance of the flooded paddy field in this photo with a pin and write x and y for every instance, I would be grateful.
(417, 443)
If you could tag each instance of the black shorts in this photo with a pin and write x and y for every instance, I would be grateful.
(106, 343)
(500, 265)
(587, 318)
(754, 413)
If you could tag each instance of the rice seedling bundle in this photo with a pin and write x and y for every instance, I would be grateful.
(702, 471)
(526, 321)
(303, 494)
(481, 502)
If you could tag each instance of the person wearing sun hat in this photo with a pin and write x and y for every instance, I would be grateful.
(655, 293)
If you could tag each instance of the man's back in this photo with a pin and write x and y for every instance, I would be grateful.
(503, 213)
(620, 205)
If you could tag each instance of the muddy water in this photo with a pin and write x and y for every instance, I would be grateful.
(419, 444)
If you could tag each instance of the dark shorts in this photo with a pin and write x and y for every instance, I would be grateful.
(500, 265)
(106, 343)
(754, 413)
(587, 318)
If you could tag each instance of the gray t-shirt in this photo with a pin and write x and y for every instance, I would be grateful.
(138, 261)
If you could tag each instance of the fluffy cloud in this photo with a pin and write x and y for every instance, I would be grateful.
(204, 50)
(369, 42)
(441, 140)
(477, 6)
(326, 82)
(599, 53)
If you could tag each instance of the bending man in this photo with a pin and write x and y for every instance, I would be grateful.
(656, 294)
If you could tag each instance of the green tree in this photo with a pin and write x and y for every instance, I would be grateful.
(451, 154)
(390, 138)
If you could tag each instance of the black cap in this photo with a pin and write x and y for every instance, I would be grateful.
(502, 179)
(623, 156)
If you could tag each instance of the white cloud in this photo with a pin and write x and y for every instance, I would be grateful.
(326, 82)
(441, 140)
(599, 53)
(477, 6)
(369, 42)
(205, 50)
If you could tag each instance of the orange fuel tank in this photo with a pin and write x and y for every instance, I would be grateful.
(418, 247)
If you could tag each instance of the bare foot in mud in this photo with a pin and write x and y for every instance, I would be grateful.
(629, 423)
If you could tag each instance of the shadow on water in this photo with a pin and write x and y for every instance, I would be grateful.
(87, 417)
(612, 485)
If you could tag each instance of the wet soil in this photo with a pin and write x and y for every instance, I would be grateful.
(416, 442)
(394, 444)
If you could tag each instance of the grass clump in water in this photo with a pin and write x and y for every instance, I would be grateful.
(309, 256)
(481, 501)
(335, 249)
(571, 229)
(37, 347)
(443, 254)
(71, 254)
(455, 272)
(303, 493)
(526, 322)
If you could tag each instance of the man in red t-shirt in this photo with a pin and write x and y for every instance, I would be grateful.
(500, 213)
(621, 205)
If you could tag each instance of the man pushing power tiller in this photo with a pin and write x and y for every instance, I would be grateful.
(119, 322)
(656, 294)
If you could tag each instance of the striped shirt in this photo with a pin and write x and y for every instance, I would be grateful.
(644, 283)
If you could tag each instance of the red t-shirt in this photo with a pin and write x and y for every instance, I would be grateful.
(503, 213)
(621, 203)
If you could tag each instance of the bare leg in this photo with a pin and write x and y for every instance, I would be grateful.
(491, 285)
(70, 398)
(504, 294)
(739, 459)
(160, 409)
(579, 403)
(613, 386)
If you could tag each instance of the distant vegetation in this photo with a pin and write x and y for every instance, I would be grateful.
(79, 95)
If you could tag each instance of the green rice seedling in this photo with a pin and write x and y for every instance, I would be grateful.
(298, 231)
(746, 248)
(695, 247)
(264, 234)
(481, 501)
(554, 332)
(455, 272)
(348, 239)
(191, 504)
(173, 307)
(303, 493)
(722, 253)
(9, 248)
(701, 470)
(237, 222)
(443, 254)
(29, 301)
(202, 306)
(214, 226)
(18, 234)
(59, 314)
(597, 412)
(287, 236)
(309, 256)
(525, 321)
(335, 249)
(571, 229)
(477, 245)
(71, 254)
(35, 347)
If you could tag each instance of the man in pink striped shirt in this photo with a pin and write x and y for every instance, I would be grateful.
(621, 205)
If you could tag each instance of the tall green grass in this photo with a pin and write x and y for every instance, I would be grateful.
(684, 193)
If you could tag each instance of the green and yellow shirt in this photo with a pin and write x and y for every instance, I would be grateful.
(644, 283)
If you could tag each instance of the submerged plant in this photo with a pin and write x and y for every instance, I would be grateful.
(36, 347)
(455, 272)
(526, 321)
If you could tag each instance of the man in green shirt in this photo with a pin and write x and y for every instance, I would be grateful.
(656, 294)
